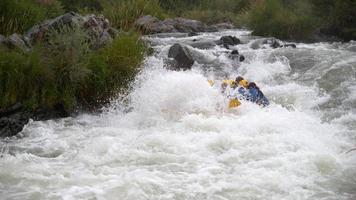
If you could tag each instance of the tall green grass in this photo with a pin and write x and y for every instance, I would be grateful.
(20, 15)
(66, 71)
(123, 13)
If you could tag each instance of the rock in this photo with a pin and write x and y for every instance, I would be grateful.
(151, 25)
(12, 120)
(271, 42)
(234, 52)
(189, 26)
(16, 41)
(228, 40)
(40, 31)
(168, 35)
(224, 25)
(234, 55)
(203, 45)
(182, 56)
(241, 58)
(97, 27)
(10, 126)
(290, 45)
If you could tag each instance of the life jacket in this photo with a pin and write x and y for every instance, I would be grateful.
(253, 95)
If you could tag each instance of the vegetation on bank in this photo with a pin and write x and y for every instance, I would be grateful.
(285, 19)
(66, 71)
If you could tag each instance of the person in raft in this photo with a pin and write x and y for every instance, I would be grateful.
(256, 95)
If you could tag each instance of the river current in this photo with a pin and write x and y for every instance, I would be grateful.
(172, 138)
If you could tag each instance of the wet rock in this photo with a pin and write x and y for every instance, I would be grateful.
(168, 35)
(271, 42)
(16, 41)
(235, 52)
(203, 45)
(151, 25)
(226, 41)
(290, 45)
(234, 55)
(241, 58)
(12, 120)
(224, 25)
(182, 57)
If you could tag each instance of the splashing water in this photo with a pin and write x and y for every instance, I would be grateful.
(178, 142)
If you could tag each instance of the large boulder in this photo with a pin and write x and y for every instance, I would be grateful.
(151, 25)
(97, 27)
(182, 57)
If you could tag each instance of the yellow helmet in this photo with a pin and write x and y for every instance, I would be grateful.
(243, 83)
(229, 82)
(211, 82)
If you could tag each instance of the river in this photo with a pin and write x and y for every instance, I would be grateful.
(170, 138)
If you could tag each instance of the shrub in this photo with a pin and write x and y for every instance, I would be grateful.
(20, 15)
(66, 71)
(273, 18)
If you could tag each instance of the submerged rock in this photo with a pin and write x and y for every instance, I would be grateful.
(182, 57)
(290, 45)
(151, 25)
(271, 42)
(235, 55)
(14, 118)
(203, 45)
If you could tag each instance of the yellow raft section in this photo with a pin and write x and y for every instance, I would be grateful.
(233, 103)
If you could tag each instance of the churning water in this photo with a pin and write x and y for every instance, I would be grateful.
(172, 138)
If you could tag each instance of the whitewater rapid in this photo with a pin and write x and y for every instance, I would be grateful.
(172, 138)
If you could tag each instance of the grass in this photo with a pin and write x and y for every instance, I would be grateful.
(66, 71)
(20, 15)
(123, 13)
